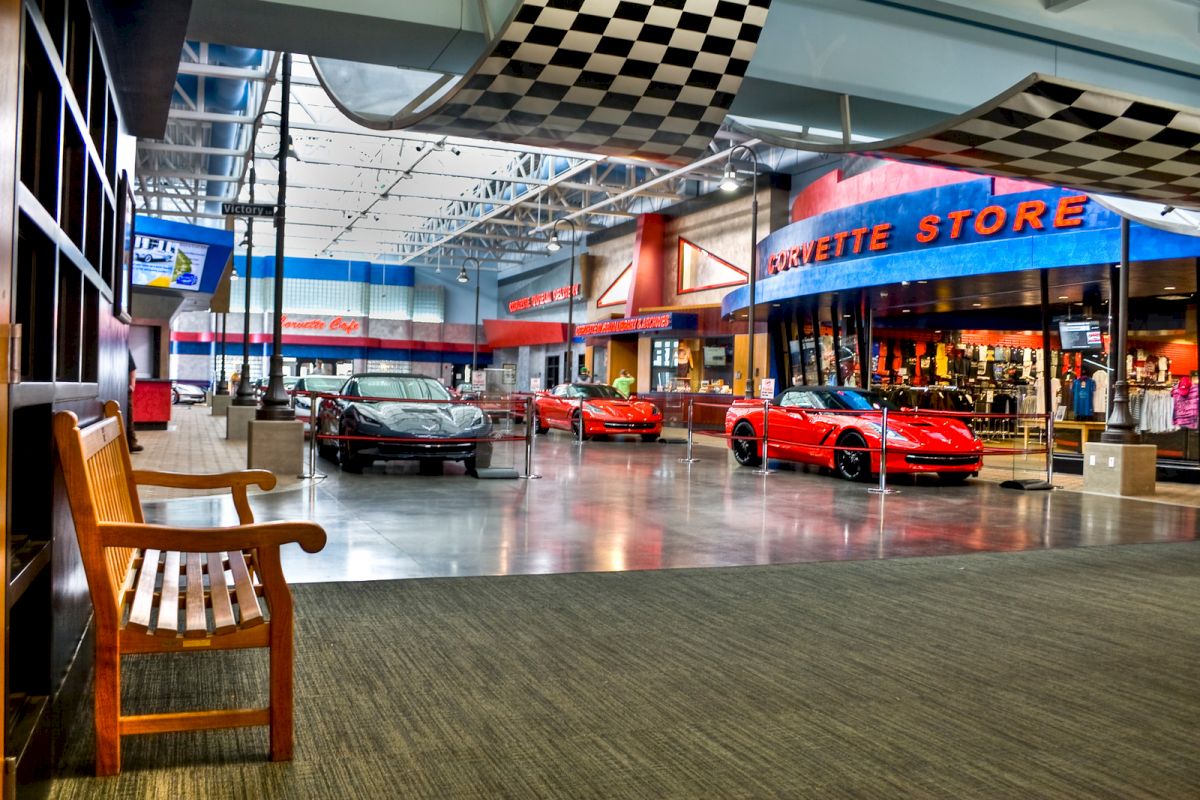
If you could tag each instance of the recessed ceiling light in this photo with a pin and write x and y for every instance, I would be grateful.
(977, 305)
(883, 294)
(1063, 297)
(905, 283)
(922, 281)
(906, 311)
(1168, 288)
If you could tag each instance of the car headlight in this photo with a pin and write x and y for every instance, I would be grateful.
(893, 435)
(593, 409)
(368, 418)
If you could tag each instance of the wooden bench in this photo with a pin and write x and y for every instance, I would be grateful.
(163, 589)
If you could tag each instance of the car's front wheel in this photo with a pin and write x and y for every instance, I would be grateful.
(745, 445)
(851, 460)
(575, 427)
(350, 462)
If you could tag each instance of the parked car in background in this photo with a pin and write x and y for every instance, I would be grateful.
(605, 412)
(379, 406)
(186, 394)
(303, 402)
(804, 426)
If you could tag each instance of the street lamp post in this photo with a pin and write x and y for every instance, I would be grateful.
(554, 246)
(245, 392)
(462, 273)
(275, 404)
(729, 183)
(222, 384)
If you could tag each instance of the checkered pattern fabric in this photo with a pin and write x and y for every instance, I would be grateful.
(1062, 133)
(650, 79)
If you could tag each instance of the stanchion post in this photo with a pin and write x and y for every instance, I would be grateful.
(580, 440)
(763, 468)
(883, 487)
(313, 407)
(1050, 449)
(689, 459)
(530, 431)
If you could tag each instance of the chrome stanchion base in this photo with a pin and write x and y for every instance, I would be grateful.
(532, 477)
(885, 490)
(687, 460)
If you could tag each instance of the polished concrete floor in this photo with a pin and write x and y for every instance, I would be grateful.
(625, 505)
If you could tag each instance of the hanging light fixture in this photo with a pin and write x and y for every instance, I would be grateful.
(553, 246)
(730, 182)
(462, 275)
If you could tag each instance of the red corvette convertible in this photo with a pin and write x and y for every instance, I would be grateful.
(805, 427)
(605, 411)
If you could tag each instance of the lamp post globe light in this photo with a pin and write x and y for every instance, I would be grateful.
(729, 183)
(553, 246)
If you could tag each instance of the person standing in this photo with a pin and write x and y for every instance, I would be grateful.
(624, 383)
(130, 434)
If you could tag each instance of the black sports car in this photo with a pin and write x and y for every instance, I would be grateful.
(433, 424)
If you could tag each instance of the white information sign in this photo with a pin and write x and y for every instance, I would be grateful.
(535, 384)
(766, 387)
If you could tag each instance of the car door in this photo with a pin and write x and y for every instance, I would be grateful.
(558, 405)
(802, 425)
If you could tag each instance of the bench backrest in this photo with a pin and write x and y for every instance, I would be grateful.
(99, 480)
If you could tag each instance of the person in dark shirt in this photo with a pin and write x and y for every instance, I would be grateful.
(130, 434)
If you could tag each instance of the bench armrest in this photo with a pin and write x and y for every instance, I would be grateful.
(216, 480)
(309, 535)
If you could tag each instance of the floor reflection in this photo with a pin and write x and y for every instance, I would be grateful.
(625, 505)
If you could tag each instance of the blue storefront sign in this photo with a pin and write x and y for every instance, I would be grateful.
(947, 232)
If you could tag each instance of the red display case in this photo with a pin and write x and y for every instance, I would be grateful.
(151, 404)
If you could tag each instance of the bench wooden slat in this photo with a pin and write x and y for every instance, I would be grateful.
(168, 604)
(195, 624)
(249, 611)
(143, 598)
(218, 591)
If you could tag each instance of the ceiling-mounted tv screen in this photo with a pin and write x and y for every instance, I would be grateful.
(1081, 334)
(168, 264)
(177, 256)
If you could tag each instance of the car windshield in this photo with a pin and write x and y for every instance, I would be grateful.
(858, 401)
(330, 383)
(598, 391)
(402, 388)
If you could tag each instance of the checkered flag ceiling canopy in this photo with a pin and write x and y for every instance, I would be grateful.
(648, 79)
(1062, 133)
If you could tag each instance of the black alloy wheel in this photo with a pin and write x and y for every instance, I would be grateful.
(745, 446)
(174, 398)
(575, 427)
(350, 462)
(852, 465)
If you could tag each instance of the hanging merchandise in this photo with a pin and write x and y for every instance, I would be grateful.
(1084, 390)
(1100, 400)
(1186, 396)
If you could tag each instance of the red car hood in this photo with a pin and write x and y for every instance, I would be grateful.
(623, 409)
(932, 430)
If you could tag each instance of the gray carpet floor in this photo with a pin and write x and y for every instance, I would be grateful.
(1055, 674)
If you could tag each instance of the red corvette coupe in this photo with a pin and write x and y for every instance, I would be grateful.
(805, 427)
(605, 411)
